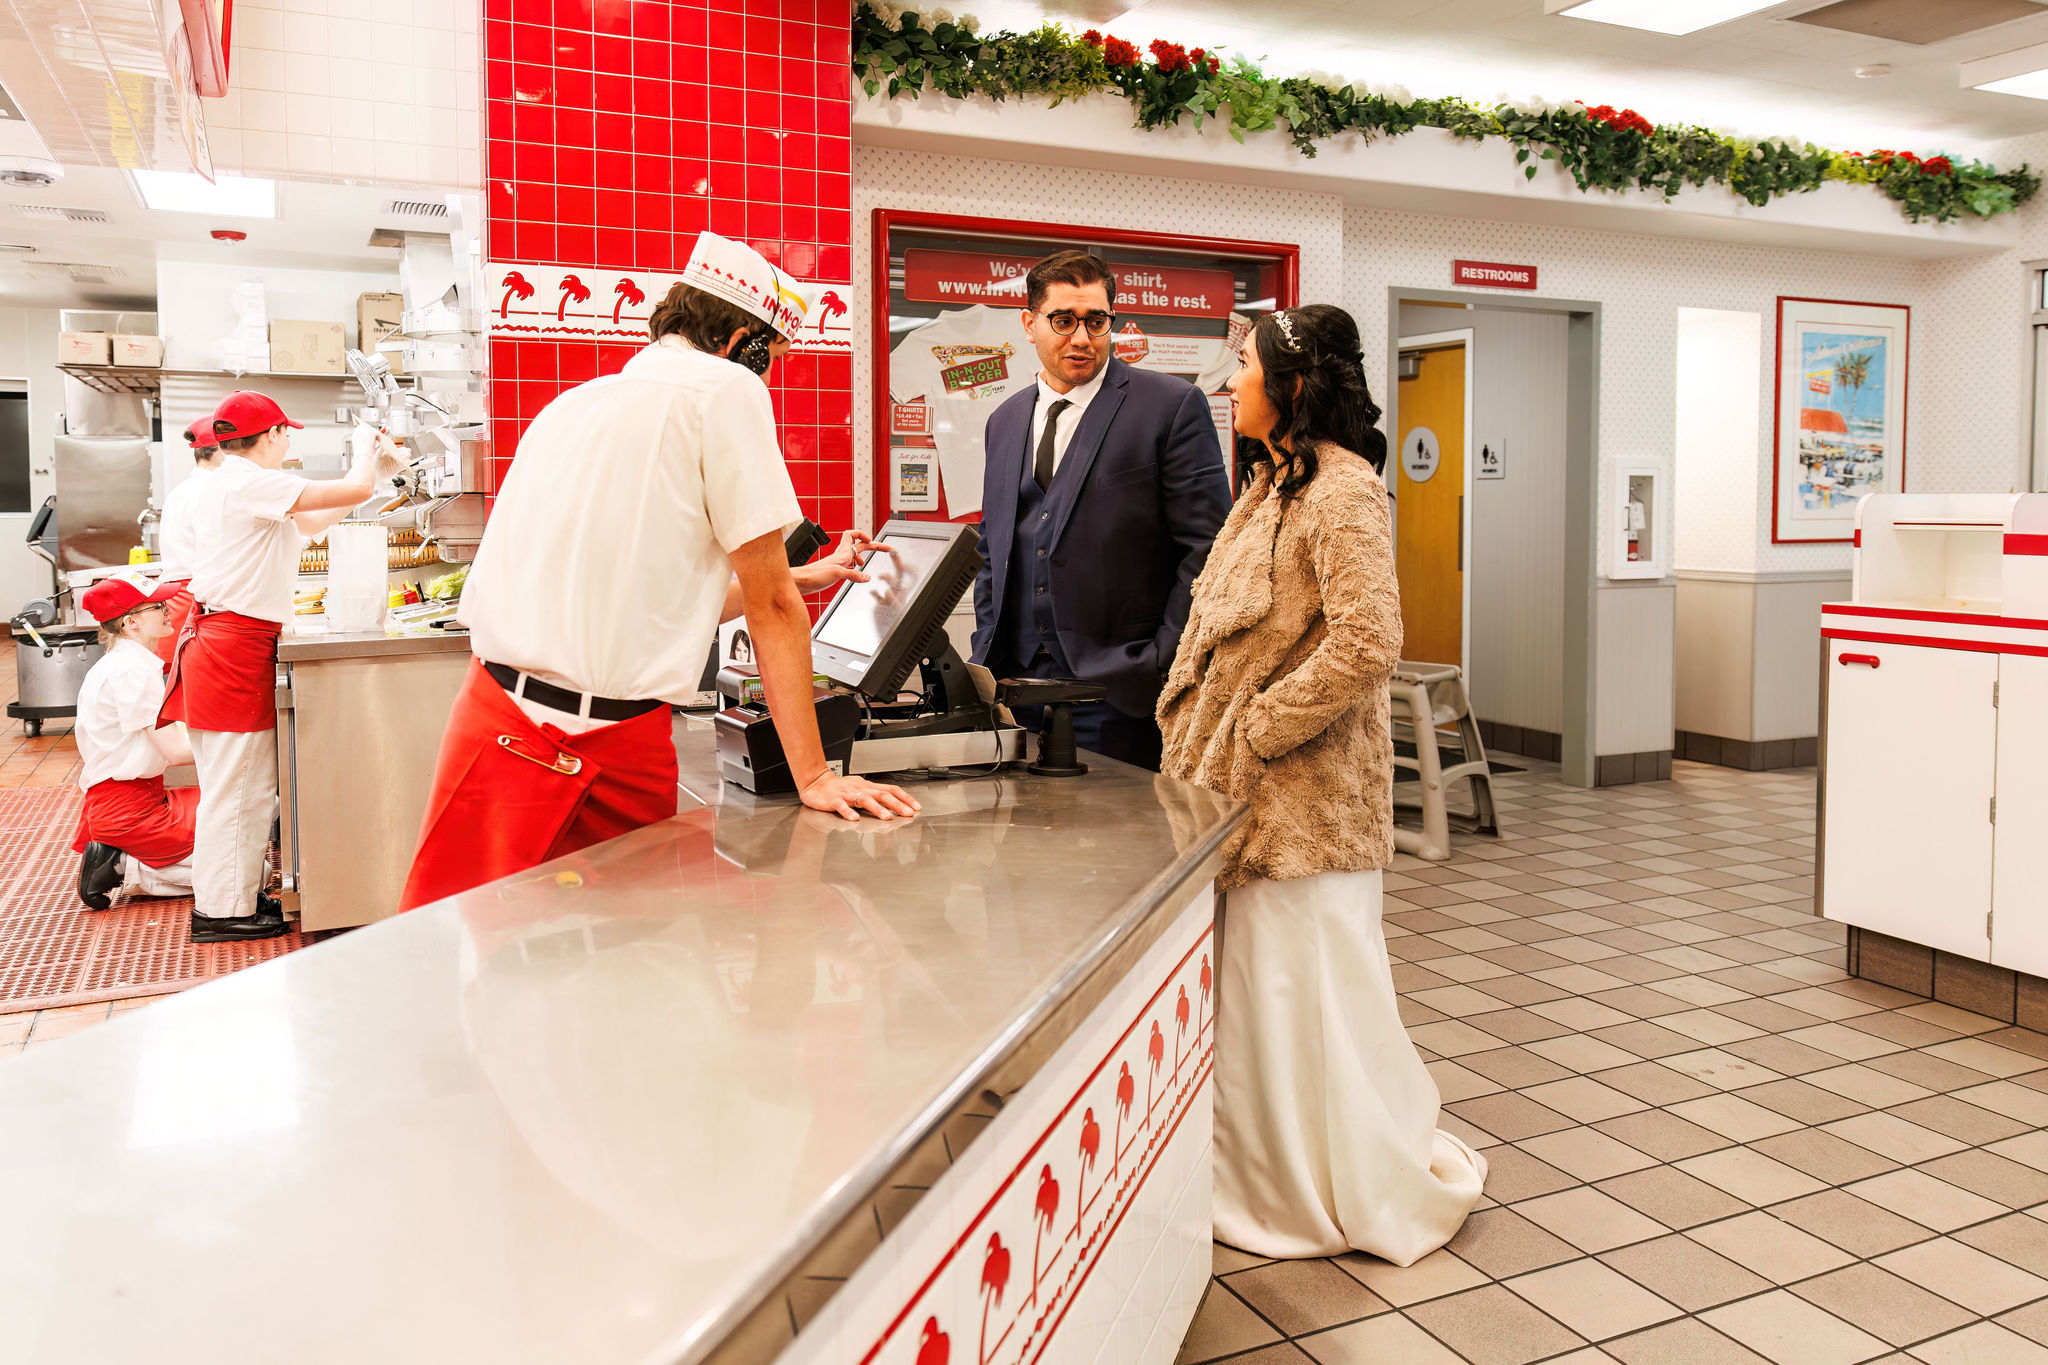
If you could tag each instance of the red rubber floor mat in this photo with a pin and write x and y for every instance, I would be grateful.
(54, 951)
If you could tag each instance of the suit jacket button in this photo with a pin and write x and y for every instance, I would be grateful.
(1041, 554)
(1043, 516)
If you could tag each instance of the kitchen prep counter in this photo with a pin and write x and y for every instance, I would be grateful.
(658, 1101)
(359, 723)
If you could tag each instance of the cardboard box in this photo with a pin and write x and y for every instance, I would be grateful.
(307, 347)
(83, 348)
(144, 351)
(379, 316)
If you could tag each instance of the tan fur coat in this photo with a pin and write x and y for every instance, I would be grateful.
(1278, 693)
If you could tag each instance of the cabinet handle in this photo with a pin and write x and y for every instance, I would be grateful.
(1870, 659)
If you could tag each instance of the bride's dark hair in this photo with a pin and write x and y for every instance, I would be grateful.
(1317, 345)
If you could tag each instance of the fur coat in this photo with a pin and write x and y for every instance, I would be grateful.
(1278, 693)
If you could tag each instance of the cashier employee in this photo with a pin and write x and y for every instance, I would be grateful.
(252, 521)
(176, 536)
(601, 578)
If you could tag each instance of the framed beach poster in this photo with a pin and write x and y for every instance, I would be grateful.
(1841, 414)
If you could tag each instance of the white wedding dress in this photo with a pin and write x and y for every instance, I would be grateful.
(1326, 1136)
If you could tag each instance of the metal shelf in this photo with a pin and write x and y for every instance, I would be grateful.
(142, 380)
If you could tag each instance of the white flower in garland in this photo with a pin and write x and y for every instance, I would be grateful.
(968, 24)
(941, 16)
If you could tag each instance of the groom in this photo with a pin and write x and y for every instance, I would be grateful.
(1103, 490)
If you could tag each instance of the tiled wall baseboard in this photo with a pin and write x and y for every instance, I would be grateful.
(1998, 992)
(1618, 770)
(1500, 737)
(1752, 756)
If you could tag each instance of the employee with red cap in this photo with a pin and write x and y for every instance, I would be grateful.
(603, 573)
(252, 521)
(176, 536)
(135, 836)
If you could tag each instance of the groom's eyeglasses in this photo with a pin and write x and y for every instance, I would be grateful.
(1064, 322)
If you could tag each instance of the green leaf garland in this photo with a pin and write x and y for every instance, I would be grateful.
(903, 52)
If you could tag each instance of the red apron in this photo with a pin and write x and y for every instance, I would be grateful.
(177, 611)
(137, 816)
(510, 794)
(224, 674)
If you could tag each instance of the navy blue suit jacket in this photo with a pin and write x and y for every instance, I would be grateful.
(1139, 497)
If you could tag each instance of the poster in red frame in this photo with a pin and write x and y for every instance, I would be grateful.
(1266, 276)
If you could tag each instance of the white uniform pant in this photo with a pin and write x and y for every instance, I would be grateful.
(237, 802)
(140, 879)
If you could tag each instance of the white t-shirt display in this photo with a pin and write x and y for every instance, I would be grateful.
(605, 563)
(248, 548)
(177, 538)
(963, 364)
(117, 709)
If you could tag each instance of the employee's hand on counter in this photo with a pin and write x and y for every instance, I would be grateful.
(853, 796)
(843, 565)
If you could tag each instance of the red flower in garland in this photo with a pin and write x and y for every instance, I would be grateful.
(1627, 120)
(1117, 53)
(1938, 165)
(1171, 57)
(1092, 37)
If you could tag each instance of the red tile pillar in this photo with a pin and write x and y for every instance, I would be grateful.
(616, 130)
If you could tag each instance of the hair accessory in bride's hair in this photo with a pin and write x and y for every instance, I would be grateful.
(1286, 325)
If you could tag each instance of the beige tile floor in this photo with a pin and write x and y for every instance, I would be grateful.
(1709, 1146)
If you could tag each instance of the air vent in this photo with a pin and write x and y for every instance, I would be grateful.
(1915, 21)
(60, 214)
(16, 249)
(74, 270)
(416, 208)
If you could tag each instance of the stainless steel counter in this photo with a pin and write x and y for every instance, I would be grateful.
(368, 644)
(601, 1112)
(359, 723)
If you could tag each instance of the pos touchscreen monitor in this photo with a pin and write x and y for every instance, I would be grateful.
(874, 633)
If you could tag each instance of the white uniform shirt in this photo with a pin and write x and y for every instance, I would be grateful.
(1070, 418)
(604, 566)
(117, 707)
(176, 537)
(248, 548)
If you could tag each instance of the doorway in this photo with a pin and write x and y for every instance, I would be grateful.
(1432, 518)
(1572, 526)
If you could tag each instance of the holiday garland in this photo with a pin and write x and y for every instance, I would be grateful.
(1601, 147)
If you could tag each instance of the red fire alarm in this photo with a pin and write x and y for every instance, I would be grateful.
(229, 235)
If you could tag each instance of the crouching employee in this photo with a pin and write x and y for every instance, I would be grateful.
(251, 521)
(136, 837)
(601, 578)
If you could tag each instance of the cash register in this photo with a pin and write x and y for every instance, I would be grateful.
(867, 645)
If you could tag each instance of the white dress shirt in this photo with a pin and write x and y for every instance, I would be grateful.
(117, 709)
(604, 566)
(177, 537)
(1070, 419)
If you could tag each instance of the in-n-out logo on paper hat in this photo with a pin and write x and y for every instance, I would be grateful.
(740, 275)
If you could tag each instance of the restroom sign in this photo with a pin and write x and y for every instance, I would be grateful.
(1493, 275)
(1419, 455)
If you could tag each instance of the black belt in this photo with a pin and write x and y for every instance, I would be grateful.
(562, 699)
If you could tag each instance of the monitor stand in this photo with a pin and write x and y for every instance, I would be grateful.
(952, 728)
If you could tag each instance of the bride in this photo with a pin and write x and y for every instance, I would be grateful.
(1326, 1136)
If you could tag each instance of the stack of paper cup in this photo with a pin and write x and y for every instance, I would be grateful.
(358, 554)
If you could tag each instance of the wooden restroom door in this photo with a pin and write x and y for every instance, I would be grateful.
(1429, 526)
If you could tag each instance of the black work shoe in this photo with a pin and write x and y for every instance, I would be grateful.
(267, 922)
(99, 875)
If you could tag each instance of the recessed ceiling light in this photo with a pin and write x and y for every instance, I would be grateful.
(230, 196)
(2020, 72)
(1873, 71)
(1658, 16)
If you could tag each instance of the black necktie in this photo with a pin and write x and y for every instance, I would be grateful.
(1041, 465)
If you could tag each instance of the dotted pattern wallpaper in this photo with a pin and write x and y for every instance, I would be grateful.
(919, 182)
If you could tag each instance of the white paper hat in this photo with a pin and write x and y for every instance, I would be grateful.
(738, 274)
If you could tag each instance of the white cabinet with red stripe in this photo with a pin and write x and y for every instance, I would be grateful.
(1934, 718)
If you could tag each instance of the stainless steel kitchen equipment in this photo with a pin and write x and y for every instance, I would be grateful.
(50, 664)
(102, 487)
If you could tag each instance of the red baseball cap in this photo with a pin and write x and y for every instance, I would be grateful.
(117, 596)
(249, 413)
(200, 434)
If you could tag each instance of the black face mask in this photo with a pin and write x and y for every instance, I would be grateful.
(753, 353)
